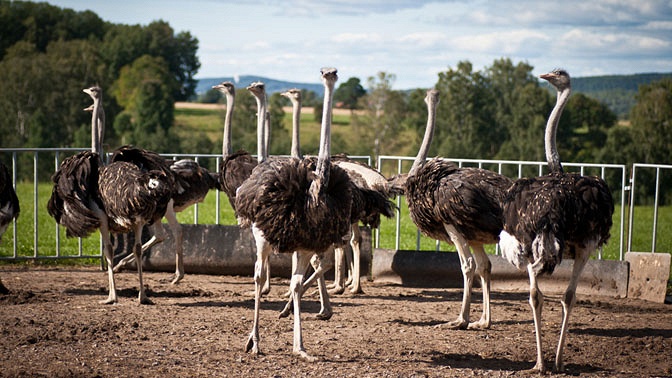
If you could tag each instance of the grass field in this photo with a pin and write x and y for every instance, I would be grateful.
(47, 231)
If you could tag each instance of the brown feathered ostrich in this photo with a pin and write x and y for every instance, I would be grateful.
(9, 206)
(296, 206)
(118, 198)
(192, 184)
(554, 215)
(459, 206)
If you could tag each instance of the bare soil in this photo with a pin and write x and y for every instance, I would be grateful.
(51, 324)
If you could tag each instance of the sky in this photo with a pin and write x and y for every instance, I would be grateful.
(412, 39)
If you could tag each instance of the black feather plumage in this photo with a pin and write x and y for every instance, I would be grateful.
(9, 202)
(233, 171)
(442, 193)
(74, 201)
(277, 200)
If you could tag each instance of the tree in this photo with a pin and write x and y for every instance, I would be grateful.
(349, 93)
(651, 120)
(384, 108)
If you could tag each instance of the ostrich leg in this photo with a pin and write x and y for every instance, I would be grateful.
(483, 269)
(536, 302)
(468, 267)
(302, 262)
(263, 250)
(568, 301)
(109, 257)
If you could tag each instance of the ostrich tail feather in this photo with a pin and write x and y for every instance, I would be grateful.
(547, 252)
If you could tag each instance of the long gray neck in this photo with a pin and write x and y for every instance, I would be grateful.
(267, 129)
(261, 129)
(552, 155)
(427, 139)
(296, 119)
(323, 156)
(97, 126)
(226, 140)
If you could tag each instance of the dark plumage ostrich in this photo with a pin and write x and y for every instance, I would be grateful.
(296, 206)
(192, 184)
(235, 167)
(459, 206)
(9, 206)
(554, 215)
(116, 198)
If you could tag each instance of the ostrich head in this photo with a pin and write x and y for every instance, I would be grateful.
(226, 87)
(95, 92)
(293, 94)
(558, 78)
(258, 89)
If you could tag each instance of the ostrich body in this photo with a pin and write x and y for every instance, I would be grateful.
(548, 216)
(192, 183)
(116, 198)
(9, 206)
(235, 167)
(295, 206)
(459, 206)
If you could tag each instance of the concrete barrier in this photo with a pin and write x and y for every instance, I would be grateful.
(442, 269)
(649, 273)
(222, 249)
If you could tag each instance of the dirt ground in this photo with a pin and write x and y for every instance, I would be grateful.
(52, 325)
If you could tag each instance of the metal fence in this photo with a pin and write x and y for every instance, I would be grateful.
(36, 165)
(658, 171)
(615, 175)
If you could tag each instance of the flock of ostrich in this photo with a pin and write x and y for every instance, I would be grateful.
(305, 205)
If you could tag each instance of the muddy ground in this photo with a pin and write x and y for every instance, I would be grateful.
(52, 325)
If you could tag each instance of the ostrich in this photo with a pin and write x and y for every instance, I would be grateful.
(295, 206)
(116, 198)
(192, 184)
(235, 167)
(458, 206)
(9, 206)
(549, 216)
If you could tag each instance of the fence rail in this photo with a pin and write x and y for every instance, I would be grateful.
(622, 189)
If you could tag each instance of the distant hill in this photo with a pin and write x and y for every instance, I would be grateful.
(616, 91)
(272, 85)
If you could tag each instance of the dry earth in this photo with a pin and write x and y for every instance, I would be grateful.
(52, 325)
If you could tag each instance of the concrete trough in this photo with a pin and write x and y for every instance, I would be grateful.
(442, 269)
(222, 249)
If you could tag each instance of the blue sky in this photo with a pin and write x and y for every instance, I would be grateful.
(412, 39)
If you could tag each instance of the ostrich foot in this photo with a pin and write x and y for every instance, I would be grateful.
(304, 355)
(537, 369)
(337, 290)
(109, 300)
(481, 324)
(458, 323)
(559, 367)
(252, 345)
(145, 301)
(177, 279)
(324, 315)
(356, 290)
(285, 311)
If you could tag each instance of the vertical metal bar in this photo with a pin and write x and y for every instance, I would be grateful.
(196, 204)
(397, 241)
(655, 210)
(632, 206)
(35, 207)
(58, 231)
(14, 224)
(217, 193)
(620, 242)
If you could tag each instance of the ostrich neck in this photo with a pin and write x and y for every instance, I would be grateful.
(267, 129)
(552, 155)
(296, 145)
(226, 140)
(97, 127)
(323, 160)
(261, 130)
(426, 140)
